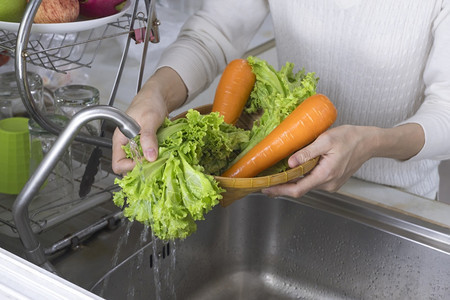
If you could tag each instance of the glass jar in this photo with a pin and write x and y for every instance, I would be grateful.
(71, 99)
(9, 91)
(5, 109)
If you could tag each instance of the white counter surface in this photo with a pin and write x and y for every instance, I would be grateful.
(425, 209)
(20, 279)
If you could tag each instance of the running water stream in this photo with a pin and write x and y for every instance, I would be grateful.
(163, 274)
(137, 264)
(136, 154)
(121, 243)
(163, 277)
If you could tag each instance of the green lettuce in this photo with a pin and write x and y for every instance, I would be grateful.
(176, 190)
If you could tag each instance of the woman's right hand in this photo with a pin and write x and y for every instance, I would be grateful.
(162, 93)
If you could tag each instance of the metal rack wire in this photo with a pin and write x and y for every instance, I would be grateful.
(65, 52)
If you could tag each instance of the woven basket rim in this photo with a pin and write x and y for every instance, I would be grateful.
(269, 180)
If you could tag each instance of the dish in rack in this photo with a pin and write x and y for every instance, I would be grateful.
(80, 25)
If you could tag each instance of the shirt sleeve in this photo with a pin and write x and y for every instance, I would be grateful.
(218, 33)
(434, 113)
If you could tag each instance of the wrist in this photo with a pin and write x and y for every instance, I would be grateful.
(170, 87)
(400, 142)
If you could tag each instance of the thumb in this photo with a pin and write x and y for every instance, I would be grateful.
(149, 141)
(303, 155)
(149, 144)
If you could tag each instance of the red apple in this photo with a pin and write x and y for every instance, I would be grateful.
(3, 58)
(57, 11)
(100, 8)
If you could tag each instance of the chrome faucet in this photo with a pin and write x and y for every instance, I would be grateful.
(33, 249)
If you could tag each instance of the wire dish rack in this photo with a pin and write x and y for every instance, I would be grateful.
(62, 53)
(65, 52)
(52, 207)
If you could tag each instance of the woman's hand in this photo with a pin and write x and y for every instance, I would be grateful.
(343, 150)
(162, 93)
(149, 111)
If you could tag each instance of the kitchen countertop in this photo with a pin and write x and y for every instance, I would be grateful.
(20, 279)
(431, 211)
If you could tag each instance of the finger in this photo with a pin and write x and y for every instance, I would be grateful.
(120, 163)
(149, 144)
(316, 178)
(296, 189)
(317, 148)
(286, 189)
(123, 166)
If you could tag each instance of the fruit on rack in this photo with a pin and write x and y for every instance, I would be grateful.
(100, 8)
(3, 58)
(12, 10)
(57, 11)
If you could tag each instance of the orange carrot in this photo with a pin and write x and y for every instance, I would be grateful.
(233, 90)
(312, 117)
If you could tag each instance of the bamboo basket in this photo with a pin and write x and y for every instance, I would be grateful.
(237, 188)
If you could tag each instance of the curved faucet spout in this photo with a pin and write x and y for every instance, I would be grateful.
(126, 124)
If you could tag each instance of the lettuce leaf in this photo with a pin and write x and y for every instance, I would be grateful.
(174, 191)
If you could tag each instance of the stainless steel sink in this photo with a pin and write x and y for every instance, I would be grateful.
(316, 247)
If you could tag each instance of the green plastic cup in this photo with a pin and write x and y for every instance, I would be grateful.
(14, 155)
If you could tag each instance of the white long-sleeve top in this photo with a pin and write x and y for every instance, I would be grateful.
(381, 62)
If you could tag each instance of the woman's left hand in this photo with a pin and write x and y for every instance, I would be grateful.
(342, 151)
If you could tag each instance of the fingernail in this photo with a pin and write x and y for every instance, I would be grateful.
(150, 154)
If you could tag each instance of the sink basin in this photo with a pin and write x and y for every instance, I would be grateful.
(276, 248)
